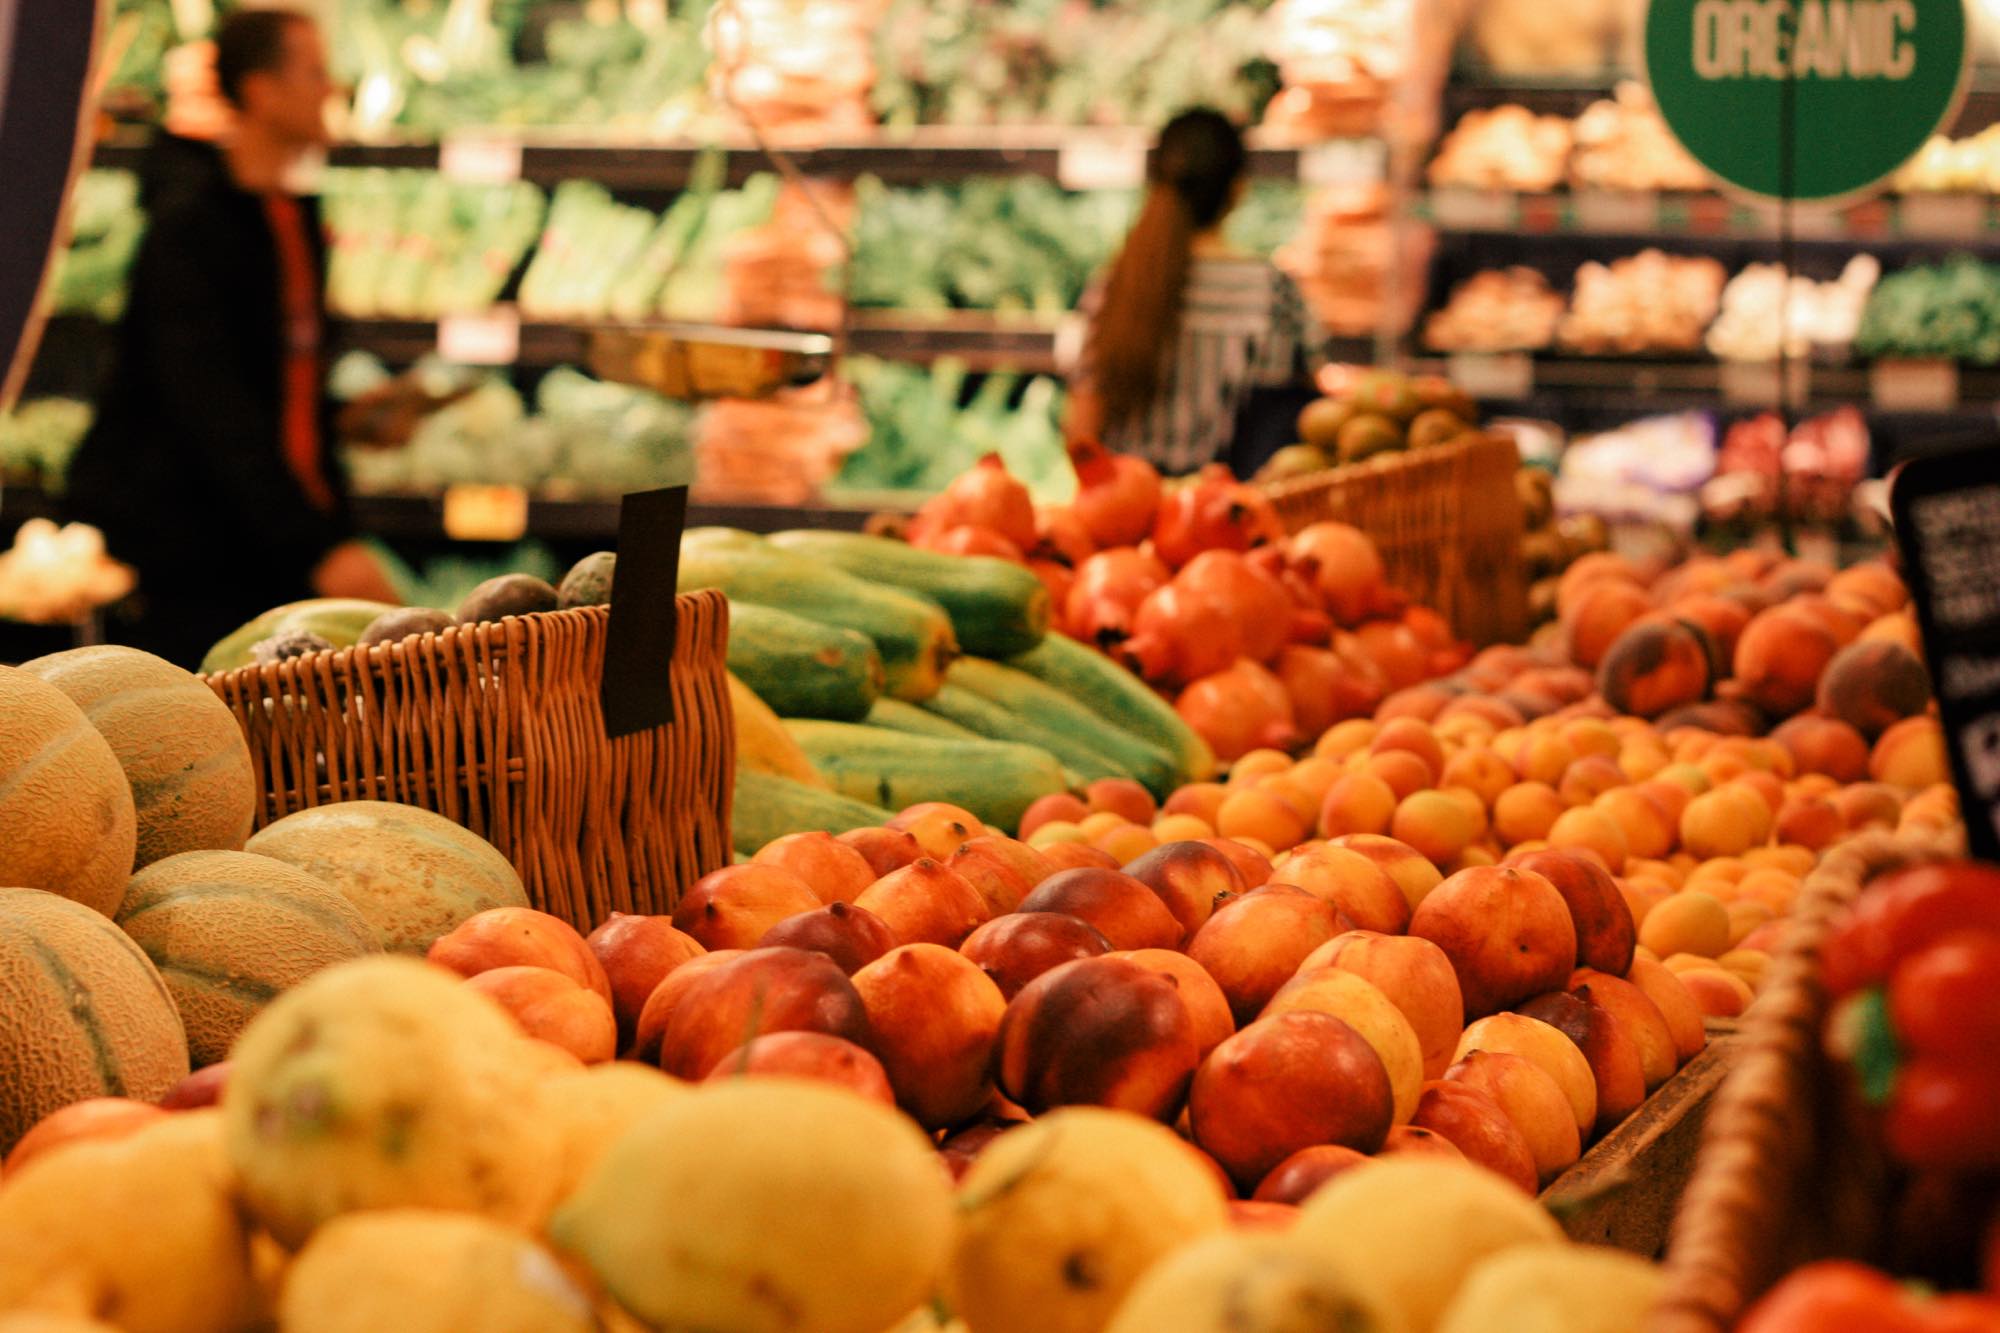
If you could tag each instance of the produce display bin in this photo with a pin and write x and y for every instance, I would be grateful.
(1782, 1177)
(499, 727)
(1447, 522)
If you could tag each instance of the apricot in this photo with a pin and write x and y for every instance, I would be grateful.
(1910, 755)
(1251, 863)
(1121, 796)
(1526, 810)
(1263, 815)
(1810, 821)
(1404, 772)
(1779, 659)
(1590, 777)
(1479, 771)
(1723, 823)
(1258, 764)
(1543, 757)
(1689, 922)
(1642, 896)
(1181, 828)
(1719, 993)
(1869, 804)
(1058, 807)
(1436, 824)
(1601, 612)
(1203, 800)
(1677, 1007)
(1588, 829)
(1356, 803)
(1413, 736)
(1345, 738)
(1643, 821)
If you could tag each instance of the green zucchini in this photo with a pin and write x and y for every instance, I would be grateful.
(801, 667)
(998, 608)
(913, 636)
(895, 715)
(994, 780)
(767, 807)
(1117, 696)
(997, 722)
(1052, 710)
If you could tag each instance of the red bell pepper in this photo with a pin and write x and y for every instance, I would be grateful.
(1842, 1297)
(1904, 912)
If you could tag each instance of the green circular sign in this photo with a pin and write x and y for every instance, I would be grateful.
(1861, 84)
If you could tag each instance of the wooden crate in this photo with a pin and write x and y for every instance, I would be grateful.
(1447, 521)
(499, 727)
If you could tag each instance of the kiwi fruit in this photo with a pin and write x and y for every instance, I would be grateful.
(507, 595)
(588, 582)
(402, 623)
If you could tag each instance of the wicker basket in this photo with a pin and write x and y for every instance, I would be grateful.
(499, 727)
(1781, 1178)
(1447, 521)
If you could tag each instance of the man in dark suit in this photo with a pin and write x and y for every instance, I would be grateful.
(211, 466)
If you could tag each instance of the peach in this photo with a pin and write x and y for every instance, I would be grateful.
(1251, 864)
(1411, 870)
(1597, 616)
(1605, 932)
(1207, 1006)
(1587, 829)
(1414, 974)
(1507, 932)
(520, 937)
(1526, 811)
(1015, 949)
(733, 907)
(1190, 878)
(1124, 910)
(1420, 702)
(885, 849)
(1809, 821)
(962, 1149)
(1896, 627)
(1350, 737)
(810, 1055)
(934, 1017)
(1356, 886)
(1056, 808)
(1358, 1002)
(1404, 773)
(1288, 1082)
(748, 994)
(94, 1119)
(926, 903)
(1496, 714)
(1642, 758)
(1102, 1031)
(1824, 745)
(1588, 778)
(829, 867)
(1295, 1179)
(1677, 1007)
(1436, 824)
(1001, 870)
(1256, 1215)
(1869, 804)
(1591, 568)
(1254, 944)
(1121, 796)
(1547, 1047)
(1720, 994)
(1872, 581)
(1689, 922)
(1911, 755)
(1655, 666)
(1720, 619)
(1779, 658)
(1532, 1101)
(636, 953)
(1610, 1051)
(551, 1007)
(1414, 1141)
(667, 997)
(1636, 1013)
(1475, 1124)
(1356, 803)
(851, 936)
(1642, 896)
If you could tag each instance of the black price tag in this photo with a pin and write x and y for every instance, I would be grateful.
(639, 644)
(1947, 513)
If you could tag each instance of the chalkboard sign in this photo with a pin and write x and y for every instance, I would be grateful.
(46, 48)
(1947, 512)
(639, 642)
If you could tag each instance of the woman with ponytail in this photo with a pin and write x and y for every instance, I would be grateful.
(1183, 332)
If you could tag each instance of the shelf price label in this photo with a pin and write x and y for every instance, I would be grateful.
(1618, 212)
(1457, 209)
(489, 339)
(1913, 386)
(1343, 162)
(1760, 384)
(1502, 376)
(1947, 216)
(479, 157)
(1101, 162)
(480, 513)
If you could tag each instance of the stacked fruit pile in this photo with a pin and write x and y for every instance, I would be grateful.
(1381, 411)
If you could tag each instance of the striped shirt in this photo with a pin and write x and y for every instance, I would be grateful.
(1244, 325)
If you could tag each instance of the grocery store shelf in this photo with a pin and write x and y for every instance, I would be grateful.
(1078, 158)
(1568, 95)
(1958, 220)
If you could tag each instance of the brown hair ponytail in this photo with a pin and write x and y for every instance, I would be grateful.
(1191, 177)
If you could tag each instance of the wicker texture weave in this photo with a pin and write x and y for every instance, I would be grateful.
(499, 727)
(1447, 522)
(1780, 1179)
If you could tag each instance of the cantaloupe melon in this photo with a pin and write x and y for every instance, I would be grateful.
(415, 875)
(386, 1083)
(142, 1231)
(180, 747)
(64, 801)
(82, 1013)
(231, 931)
